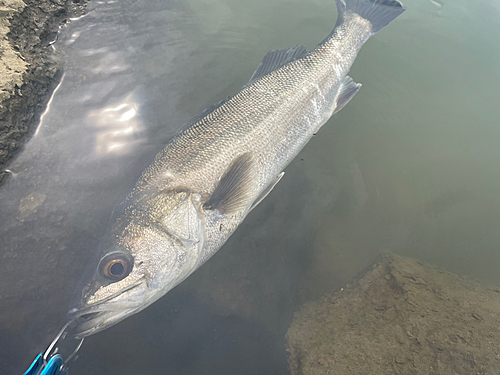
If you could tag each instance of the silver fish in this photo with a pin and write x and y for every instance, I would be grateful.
(198, 190)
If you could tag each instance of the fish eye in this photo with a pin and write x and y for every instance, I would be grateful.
(115, 266)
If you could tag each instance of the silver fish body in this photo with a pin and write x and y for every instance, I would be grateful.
(198, 190)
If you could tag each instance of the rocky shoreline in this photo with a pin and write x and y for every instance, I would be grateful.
(28, 72)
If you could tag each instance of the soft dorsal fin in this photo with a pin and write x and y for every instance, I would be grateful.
(272, 61)
(232, 194)
(276, 59)
(347, 91)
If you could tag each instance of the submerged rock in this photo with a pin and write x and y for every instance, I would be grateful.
(401, 317)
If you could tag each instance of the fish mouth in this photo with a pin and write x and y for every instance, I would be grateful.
(103, 314)
(91, 323)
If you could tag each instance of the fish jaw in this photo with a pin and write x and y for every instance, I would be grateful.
(93, 318)
(199, 156)
(162, 241)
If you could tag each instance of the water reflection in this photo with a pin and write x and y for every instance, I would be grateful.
(47, 110)
(90, 145)
(119, 127)
(411, 165)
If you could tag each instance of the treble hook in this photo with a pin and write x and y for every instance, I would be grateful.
(49, 361)
(61, 335)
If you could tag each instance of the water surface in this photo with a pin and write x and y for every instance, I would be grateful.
(409, 166)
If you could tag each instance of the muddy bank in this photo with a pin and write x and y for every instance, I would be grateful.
(27, 69)
(400, 317)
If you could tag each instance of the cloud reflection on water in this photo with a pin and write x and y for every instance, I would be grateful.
(119, 127)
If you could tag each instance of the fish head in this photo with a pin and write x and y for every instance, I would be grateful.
(151, 247)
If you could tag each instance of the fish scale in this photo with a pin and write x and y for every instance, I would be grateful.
(199, 189)
(272, 117)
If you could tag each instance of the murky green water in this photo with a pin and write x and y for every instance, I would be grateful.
(411, 166)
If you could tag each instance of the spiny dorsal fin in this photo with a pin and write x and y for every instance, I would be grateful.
(203, 114)
(347, 91)
(276, 59)
(232, 194)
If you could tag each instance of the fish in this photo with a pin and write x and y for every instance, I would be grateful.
(218, 168)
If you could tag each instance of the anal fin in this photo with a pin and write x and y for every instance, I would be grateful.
(347, 91)
(233, 193)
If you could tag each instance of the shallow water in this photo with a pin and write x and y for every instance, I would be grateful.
(409, 166)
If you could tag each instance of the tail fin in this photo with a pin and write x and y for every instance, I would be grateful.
(379, 12)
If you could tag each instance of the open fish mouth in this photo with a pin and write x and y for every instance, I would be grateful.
(93, 322)
(99, 316)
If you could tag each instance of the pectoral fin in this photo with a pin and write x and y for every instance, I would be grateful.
(233, 193)
(347, 91)
(264, 194)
